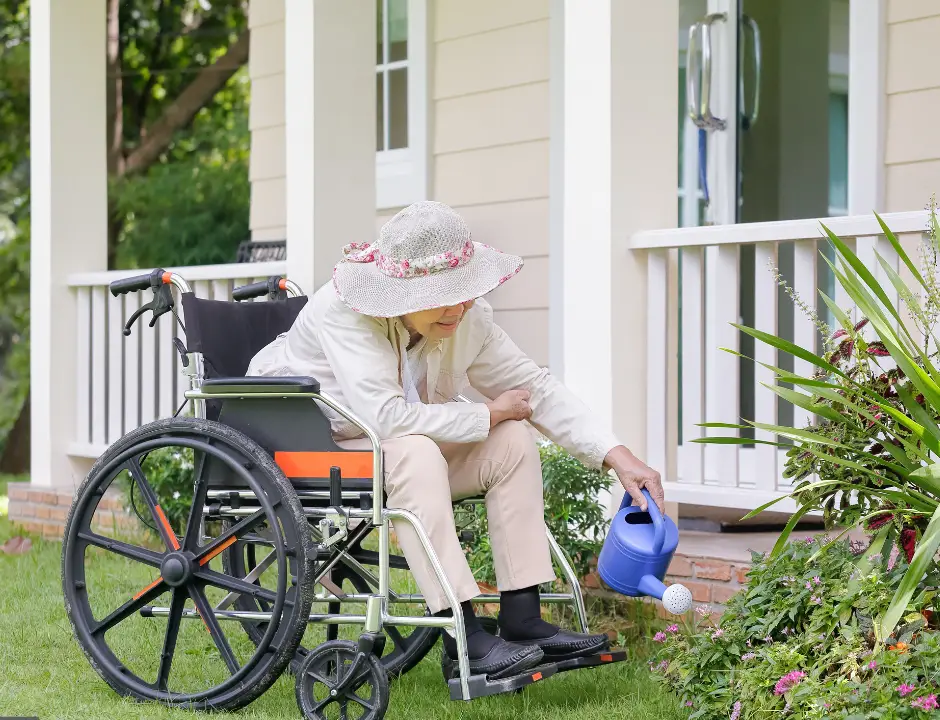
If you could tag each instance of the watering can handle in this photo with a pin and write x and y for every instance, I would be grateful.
(659, 525)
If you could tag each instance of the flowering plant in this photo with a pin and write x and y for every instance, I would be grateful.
(799, 642)
(869, 455)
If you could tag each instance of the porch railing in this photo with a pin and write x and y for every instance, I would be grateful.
(125, 382)
(700, 280)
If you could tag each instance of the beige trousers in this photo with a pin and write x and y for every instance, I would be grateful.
(425, 477)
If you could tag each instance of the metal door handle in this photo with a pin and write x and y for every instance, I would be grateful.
(700, 107)
(750, 116)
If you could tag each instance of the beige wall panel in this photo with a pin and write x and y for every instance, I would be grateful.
(912, 127)
(267, 102)
(459, 18)
(903, 10)
(502, 58)
(500, 117)
(272, 233)
(268, 204)
(910, 185)
(512, 172)
(264, 12)
(266, 51)
(520, 228)
(526, 291)
(911, 61)
(268, 155)
(528, 329)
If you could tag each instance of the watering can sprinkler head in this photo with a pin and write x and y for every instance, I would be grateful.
(637, 553)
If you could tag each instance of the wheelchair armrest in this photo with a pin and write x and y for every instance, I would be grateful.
(260, 384)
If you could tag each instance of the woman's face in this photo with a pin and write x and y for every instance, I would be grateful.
(438, 323)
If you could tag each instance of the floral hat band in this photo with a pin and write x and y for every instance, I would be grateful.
(393, 267)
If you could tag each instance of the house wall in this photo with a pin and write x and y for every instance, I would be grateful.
(489, 129)
(912, 84)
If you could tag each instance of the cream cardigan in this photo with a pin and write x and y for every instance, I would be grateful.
(358, 360)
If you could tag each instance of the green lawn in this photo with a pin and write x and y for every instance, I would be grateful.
(44, 673)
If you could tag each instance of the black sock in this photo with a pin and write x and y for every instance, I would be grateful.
(479, 642)
(520, 616)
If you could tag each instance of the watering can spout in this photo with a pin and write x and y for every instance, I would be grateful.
(677, 599)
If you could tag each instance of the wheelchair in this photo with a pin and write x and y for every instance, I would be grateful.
(276, 539)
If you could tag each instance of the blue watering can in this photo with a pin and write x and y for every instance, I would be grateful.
(637, 553)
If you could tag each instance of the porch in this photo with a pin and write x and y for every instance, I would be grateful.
(614, 252)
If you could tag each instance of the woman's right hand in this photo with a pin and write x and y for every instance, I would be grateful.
(511, 405)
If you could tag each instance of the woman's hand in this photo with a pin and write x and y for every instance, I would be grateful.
(635, 475)
(511, 405)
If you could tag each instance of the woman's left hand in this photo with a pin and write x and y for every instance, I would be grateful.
(635, 476)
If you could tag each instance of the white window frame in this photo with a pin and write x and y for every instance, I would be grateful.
(401, 176)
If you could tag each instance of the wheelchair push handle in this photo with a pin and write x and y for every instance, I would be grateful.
(275, 287)
(160, 282)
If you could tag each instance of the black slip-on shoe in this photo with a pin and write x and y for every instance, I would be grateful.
(503, 660)
(565, 645)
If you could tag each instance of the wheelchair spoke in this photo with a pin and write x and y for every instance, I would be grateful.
(148, 557)
(152, 591)
(233, 584)
(215, 630)
(191, 538)
(228, 537)
(159, 517)
(169, 641)
(368, 706)
(344, 709)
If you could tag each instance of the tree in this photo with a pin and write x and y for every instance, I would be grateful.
(167, 63)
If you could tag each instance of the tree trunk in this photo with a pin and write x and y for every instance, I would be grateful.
(15, 458)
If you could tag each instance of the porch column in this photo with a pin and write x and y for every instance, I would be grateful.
(619, 176)
(330, 121)
(69, 212)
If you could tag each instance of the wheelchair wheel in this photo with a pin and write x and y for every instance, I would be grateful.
(134, 595)
(406, 646)
(324, 689)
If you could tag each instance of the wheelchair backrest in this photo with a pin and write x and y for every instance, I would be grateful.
(230, 334)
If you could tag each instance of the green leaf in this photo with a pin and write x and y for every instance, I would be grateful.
(806, 402)
(896, 244)
(790, 348)
(923, 556)
(787, 530)
(837, 313)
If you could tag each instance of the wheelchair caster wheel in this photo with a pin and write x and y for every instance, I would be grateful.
(337, 672)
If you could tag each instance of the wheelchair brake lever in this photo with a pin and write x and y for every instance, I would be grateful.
(161, 303)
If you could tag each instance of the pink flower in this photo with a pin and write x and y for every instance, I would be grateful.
(736, 711)
(817, 581)
(926, 702)
(702, 611)
(816, 600)
(748, 656)
(659, 637)
(809, 586)
(717, 634)
(672, 629)
(904, 689)
(454, 263)
(688, 703)
(872, 665)
(788, 682)
(405, 264)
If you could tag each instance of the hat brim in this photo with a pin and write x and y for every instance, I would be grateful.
(367, 290)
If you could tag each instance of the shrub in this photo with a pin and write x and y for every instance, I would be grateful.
(572, 513)
(799, 641)
(169, 472)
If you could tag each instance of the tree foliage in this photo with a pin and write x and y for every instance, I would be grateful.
(177, 155)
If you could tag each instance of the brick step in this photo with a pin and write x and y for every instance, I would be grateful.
(42, 510)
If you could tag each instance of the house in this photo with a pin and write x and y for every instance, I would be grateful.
(637, 153)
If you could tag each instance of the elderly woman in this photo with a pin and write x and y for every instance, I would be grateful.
(399, 333)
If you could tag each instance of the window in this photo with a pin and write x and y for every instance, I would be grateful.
(401, 102)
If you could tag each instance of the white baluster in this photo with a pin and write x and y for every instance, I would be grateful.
(167, 367)
(115, 340)
(148, 364)
(131, 366)
(764, 471)
(99, 354)
(83, 387)
(693, 370)
(656, 359)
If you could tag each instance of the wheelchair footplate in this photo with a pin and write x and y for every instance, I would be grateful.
(483, 686)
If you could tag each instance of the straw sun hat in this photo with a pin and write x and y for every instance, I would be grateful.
(424, 258)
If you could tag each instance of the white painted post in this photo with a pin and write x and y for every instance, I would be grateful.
(69, 213)
(330, 133)
(619, 175)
